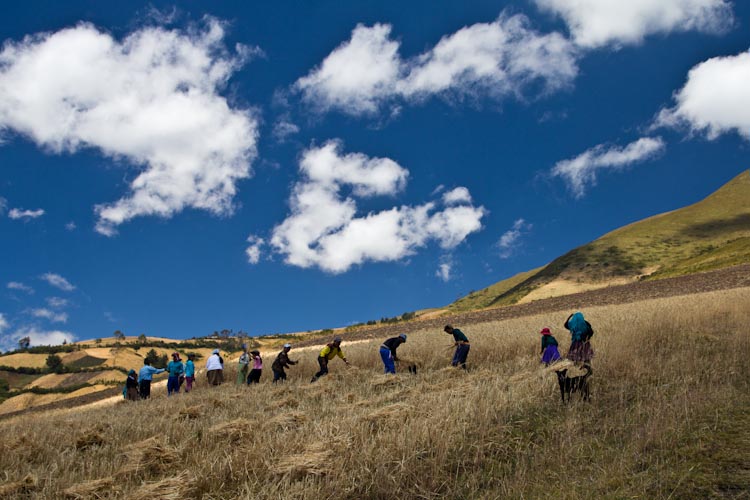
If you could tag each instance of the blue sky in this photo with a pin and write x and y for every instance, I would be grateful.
(178, 168)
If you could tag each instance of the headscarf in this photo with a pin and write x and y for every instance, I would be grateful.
(577, 326)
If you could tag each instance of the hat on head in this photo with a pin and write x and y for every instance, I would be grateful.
(287, 346)
(337, 339)
(131, 372)
(545, 331)
(257, 353)
(403, 336)
(216, 351)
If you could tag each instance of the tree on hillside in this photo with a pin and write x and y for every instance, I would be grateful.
(24, 343)
(142, 339)
(119, 335)
(157, 361)
(54, 363)
(98, 341)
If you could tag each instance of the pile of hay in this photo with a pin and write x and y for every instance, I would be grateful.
(98, 488)
(396, 410)
(314, 461)
(234, 430)
(90, 438)
(14, 489)
(150, 455)
(287, 421)
(172, 488)
(288, 402)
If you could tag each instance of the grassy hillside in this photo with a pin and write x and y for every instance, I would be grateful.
(711, 234)
(670, 406)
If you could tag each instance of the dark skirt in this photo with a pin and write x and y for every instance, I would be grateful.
(580, 352)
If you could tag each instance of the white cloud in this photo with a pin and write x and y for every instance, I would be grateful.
(55, 317)
(581, 171)
(253, 250)
(71, 226)
(594, 23)
(15, 285)
(38, 337)
(715, 99)
(57, 302)
(510, 239)
(58, 282)
(17, 213)
(498, 59)
(457, 196)
(151, 98)
(3, 203)
(445, 269)
(3, 323)
(323, 229)
(283, 128)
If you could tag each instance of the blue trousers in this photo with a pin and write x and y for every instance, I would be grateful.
(385, 354)
(459, 358)
(173, 385)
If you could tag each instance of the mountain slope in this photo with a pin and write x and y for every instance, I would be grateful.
(711, 234)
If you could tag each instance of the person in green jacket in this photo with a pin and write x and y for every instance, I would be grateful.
(329, 352)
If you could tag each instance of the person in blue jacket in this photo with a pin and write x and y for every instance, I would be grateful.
(175, 369)
(145, 376)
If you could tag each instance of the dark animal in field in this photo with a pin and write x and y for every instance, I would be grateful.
(578, 383)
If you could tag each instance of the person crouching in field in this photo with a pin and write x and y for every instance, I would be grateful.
(176, 370)
(580, 335)
(215, 368)
(243, 364)
(388, 352)
(145, 376)
(189, 373)
(461, 342)
(254, 377)
(549, 352)
(329, 352)
(131, 386)
(281, 362)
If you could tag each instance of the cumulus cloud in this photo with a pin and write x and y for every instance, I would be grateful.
(253, 250)
(715, 99)
(16, 285)
(55, 317)
(593, 23)
(3, 324)
(151, 98)
(457, 196)
(581, 171)
(499, 59)
(38, 336)
(17, 213)
(58, 282)
(284, 128)
(323, 229)
(71, 226)
(445, 269)
(510, 239)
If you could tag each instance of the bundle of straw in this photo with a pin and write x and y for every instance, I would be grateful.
(314, 461)
(14, 489)
(234, 430)
(150, 455)
(287, 420)
(172, 488)
(90, 438)
(98, 488)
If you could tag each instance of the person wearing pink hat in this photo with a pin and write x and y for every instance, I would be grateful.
(549, 353)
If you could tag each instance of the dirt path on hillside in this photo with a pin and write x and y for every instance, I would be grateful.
(723, 279)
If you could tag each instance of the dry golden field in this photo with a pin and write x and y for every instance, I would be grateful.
(668, 419)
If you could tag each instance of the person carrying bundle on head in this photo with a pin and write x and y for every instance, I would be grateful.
(388, 352)
(281, 362)
(329, 352)
(461, 343)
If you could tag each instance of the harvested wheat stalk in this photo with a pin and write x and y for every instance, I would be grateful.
(396, 410)
(150, 455)
(288, 402)
(313, 462)
(98, 488)
(189, 413)
(234, 430)
(90, 438)
(288, 420)
(172, 488)
(14, 489)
